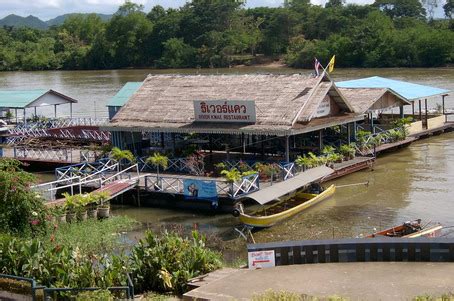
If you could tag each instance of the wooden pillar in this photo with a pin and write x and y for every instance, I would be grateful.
(210, 146)
(287, 149)
(162, 140)
(71, 110)
(25, 117)
(35, 112)
(413, 109)
(55, 111)
(443, 107)
(349, 133)
(320, 140)
(420, 110)
(15, 112)
(401, 111)
(354, 131)
(262, 146)
(243, 141)
(174, 144)
(425, 105)
(372, 123)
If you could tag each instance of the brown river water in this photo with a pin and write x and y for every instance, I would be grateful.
(416, 182)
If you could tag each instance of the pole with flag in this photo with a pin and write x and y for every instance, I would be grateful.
(330, 66)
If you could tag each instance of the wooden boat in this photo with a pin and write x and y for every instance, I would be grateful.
(410, 229)
(285, 209)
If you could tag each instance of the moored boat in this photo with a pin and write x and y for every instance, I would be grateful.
(410, 229)
(285, 209)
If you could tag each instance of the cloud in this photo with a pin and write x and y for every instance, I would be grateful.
(47, 9)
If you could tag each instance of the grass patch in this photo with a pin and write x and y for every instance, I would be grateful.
(271, 295)
(444, 297)
(94, 236)
(19, 287)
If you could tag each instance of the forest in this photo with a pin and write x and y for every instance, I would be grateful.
(224, 33)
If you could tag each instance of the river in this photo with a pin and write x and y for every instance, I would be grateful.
(416, 182)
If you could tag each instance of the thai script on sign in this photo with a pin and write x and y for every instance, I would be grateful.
(261, 259)
(324, 108)
(225, 111)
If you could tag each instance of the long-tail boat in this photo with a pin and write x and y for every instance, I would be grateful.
(410, 229)
(284, 209)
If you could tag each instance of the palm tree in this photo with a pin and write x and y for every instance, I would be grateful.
(158, 160)
(119, 155)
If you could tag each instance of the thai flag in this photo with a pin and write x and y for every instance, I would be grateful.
(317, 66)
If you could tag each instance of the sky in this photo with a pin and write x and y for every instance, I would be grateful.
(48, 9)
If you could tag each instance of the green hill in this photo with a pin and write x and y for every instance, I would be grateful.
(18, 21)
(60, 19)
(34, 22)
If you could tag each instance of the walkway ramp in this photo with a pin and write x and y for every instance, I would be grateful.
(268, 194)
(114, 189)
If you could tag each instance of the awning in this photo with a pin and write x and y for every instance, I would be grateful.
(280, 189)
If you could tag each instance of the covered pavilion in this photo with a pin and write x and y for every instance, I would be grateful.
(405, 92)
(32, 99)
(230, 112)
(118, 100)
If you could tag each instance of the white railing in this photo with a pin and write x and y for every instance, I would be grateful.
(49, 190)
(58, 155)
(85, 170)
(175, 185)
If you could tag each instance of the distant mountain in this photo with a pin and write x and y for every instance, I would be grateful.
(61, 19)
(34, 22)
(18, 21)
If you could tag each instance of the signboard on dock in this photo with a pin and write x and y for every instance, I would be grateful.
(200, 190)
(232, 111)
(261, 259)
(324, 108)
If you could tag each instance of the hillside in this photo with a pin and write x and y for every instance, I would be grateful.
(18, 21)
(34, 22)
(60, 19)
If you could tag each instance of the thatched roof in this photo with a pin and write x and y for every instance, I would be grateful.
(365, 100)
(164, 103)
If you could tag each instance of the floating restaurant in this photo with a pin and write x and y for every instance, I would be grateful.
(276, 115)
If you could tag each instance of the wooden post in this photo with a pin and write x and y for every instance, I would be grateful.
(25, 117)
(320, 140)
(425, 105)
(420, 110)
(401, 111)
(287, 149)
(35, 112)
(15, 113)
(413, 109)
(71, 110)
(55, 111)
(372, 123)
(243, 140)
(354, 131)
(443, 107)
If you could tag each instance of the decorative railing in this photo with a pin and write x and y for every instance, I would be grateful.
(63, 155)
(175, 185)
(86, 169)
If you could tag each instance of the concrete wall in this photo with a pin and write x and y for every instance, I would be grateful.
(415, 127)
(435, 122)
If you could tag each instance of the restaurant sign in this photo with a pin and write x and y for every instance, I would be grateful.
(225, 111)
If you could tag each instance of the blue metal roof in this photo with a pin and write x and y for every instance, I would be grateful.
(407, 90)
(19, 99)
(124, 94)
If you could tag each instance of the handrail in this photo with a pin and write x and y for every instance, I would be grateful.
(55, 182)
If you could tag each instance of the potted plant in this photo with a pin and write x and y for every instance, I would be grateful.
(71, 205)
(104, 204)
(92, 206)
(231, 176)
(348, 151)
(81, 208)
(59, 212)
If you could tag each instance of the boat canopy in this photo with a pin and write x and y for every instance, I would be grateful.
(268, 194)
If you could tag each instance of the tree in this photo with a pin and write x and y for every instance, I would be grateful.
(334, 3)
(120, 155)
(158, 160)
(176, 54)
(449, 8)
(401, 8)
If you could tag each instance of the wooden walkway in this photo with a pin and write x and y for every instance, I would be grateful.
(350, 166)
(114, 189)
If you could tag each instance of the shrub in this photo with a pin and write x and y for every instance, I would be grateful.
(166, 263)
(21, 209)
(348, 150)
